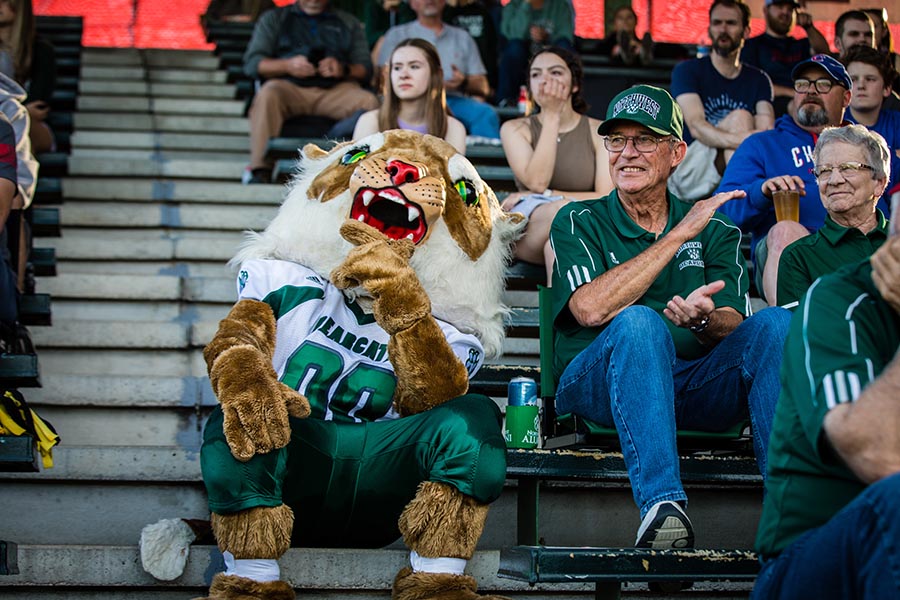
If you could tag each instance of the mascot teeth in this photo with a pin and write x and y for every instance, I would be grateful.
(413, 213)
(367, 198)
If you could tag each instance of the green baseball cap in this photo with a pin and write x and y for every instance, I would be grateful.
(646, 105)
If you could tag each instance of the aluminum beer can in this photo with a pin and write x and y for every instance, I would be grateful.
(522, 391)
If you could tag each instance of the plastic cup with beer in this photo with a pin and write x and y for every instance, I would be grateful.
(787, 205)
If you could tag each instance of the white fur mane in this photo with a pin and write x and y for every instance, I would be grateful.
(464, 293)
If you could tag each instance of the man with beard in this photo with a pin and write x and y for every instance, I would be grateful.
(722, 100)
(781, 159)
(776, 52)
(853, 28)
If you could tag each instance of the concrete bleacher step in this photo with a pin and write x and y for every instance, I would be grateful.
(90, 73)
(141, 163)
(155, 214)
(205, 101)
(141, 189)
(158, 141)
(151, 58)
(147, 122)
(134, 89)
(137, 244)
(328, 573)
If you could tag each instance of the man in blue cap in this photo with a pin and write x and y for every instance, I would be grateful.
(782, 159)
(651, 313)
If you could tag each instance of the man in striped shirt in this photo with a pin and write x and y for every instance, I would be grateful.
(830, 525)
(650, 303)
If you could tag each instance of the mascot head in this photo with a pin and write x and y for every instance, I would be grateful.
(405, 185)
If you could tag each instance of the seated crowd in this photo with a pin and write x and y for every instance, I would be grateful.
(27, 83)
(639, 220)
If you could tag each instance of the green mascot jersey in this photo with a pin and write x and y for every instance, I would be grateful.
(328, 348)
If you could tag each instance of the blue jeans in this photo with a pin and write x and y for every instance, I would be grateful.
(479, 118)
(629, 378)
(856, 554)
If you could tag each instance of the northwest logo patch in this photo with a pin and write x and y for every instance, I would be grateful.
(632, 103)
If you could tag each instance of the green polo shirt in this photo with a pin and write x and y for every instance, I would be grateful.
(842, 336)
(594, 236)
(823, 252)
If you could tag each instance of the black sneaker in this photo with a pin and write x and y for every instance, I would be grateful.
(665, 526)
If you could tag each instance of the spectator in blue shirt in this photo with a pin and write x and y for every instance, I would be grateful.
(723, 102)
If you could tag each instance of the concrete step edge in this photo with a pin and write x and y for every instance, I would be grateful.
(305, 568)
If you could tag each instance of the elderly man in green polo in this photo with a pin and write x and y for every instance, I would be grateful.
(650, 305)
(852, 166)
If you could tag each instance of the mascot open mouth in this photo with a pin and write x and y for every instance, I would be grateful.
(388, 211)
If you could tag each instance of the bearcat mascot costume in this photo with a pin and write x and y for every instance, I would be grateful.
(342, 371)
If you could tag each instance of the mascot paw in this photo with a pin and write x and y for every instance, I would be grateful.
(165, 546)
(409, 585)
(232, 587)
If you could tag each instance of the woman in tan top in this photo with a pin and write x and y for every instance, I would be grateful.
(556, 155)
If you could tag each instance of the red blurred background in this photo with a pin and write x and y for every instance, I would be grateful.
(175, 23)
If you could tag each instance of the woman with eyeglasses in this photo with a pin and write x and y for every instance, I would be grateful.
(556, 155)
(852, 165)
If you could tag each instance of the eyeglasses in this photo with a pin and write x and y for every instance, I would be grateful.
(642, 143)
(847, 170)
(823, 85)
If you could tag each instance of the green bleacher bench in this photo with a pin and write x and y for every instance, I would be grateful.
(243, 88)
(19, 370)
(48, 190)
(66, 64)
(63, 99)
(62, 39)
(235, 44)
(493, 379)
(71, 55)
(608, 568)
(67, 83)
(34, 309)
(223, 30)
(44, 261)
(53, 164)
(235, 74)
(231, 57)
(8, 558)
(18, 454)
(44, 23)
(45, 222)
(60, 121)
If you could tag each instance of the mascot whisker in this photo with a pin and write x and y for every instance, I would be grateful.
(342, 371)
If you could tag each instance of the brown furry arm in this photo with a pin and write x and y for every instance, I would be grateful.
(428, 372)
(254, 403)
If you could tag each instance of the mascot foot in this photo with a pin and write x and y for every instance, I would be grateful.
(232, 587)
(436, 586)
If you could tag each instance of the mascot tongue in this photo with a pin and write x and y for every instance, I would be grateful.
(388, 211)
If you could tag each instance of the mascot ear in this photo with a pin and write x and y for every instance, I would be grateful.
(313, 151)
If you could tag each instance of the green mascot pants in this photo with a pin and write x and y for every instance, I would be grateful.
(347, 483)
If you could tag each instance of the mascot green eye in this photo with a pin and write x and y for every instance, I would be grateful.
(355, 155)
(467, 192)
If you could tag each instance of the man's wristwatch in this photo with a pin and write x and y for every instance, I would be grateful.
(701, 326)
